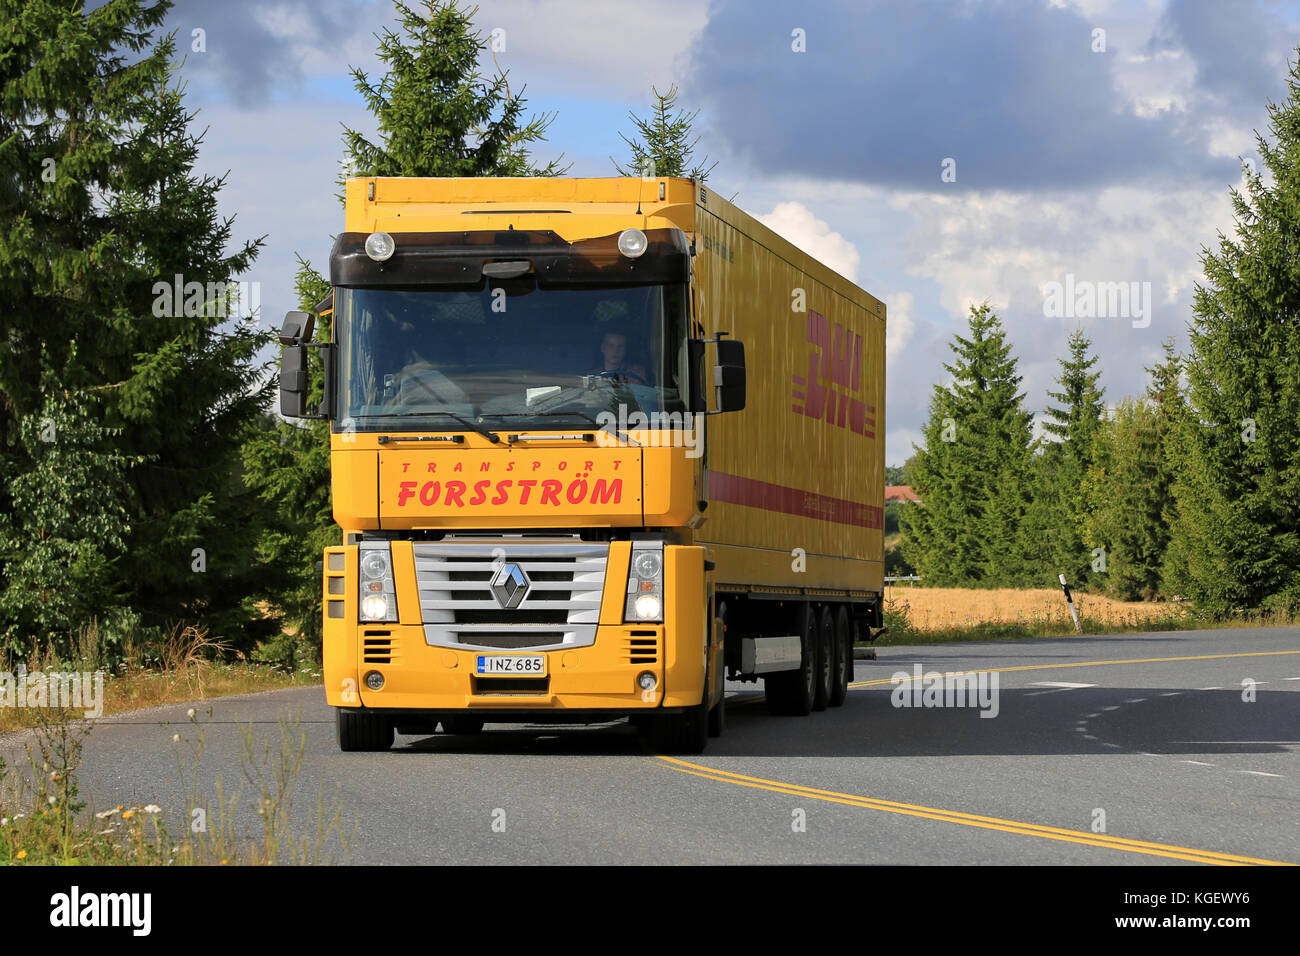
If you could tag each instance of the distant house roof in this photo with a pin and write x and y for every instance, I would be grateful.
(900, 493)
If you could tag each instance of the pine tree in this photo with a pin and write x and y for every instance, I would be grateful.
(437, 114)
(1063, 464)
(665, 147)
(1236, 539)
(972, 473)
(103, 212)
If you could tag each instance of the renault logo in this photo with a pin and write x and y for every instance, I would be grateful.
(509, 585)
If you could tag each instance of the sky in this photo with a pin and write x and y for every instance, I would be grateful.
(939, 153)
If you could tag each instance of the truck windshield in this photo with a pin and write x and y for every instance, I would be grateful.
(507, 353)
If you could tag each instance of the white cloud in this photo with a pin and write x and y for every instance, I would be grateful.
(796, 223)
(899, 324)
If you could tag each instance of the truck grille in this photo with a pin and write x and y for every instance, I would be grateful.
(560, 607)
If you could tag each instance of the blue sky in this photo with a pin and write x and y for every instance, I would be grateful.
(1104, 156)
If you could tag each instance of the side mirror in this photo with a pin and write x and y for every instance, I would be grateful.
(729, 376)
(293, 382)
(297, 328)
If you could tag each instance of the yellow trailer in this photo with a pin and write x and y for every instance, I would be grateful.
(597, 446)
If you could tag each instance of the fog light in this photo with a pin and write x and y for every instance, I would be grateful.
(380, 246)
(646, 681)
(647, 606)
(632, 243)
(375, 680)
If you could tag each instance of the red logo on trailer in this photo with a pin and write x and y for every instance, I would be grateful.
(837, 361)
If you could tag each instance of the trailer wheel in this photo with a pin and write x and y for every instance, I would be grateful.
(363, 732)
(462, 724)
(825, 658)
(843, 649)
(791, 693)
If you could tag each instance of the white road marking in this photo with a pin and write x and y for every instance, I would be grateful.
(1059, 684)
(1111, 707)
(1260, 773)
(1199, 763)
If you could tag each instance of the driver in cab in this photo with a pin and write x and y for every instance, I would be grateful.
(613, 350)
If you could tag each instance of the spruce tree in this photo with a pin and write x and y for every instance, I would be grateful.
(437, 114)
(1063, 464)
(1236, 538)
(102, 211)
(1124, 513)
(665, 147)
(972, 473)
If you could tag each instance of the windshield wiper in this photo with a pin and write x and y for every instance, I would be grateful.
(583, 415)
(493, 437)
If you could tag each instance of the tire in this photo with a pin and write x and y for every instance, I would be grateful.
(825, 658)
(363, 732)
(790, 693)
(462, 724)
(843, 651)
(686, 733)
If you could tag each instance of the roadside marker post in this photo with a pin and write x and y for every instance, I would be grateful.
(1070, 601)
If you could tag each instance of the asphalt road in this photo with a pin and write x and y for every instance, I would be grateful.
(1129, 749)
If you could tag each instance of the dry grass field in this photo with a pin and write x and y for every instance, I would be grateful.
(1039, 610)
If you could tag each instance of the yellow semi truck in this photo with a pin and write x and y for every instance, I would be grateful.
(597, 445)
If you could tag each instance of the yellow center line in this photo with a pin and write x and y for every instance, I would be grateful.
(969, 819)
(1043, 667)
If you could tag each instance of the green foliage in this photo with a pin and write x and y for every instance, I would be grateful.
(100, 204)
(1052, 531)
(1125, 501)
(665, 147)
(1236, 538)
(287, 464)
(437, 114)
(973, 474)
(69, 527)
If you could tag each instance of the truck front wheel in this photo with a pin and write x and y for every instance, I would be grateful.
(364, 732)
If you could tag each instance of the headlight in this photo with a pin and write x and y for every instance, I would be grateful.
(648, 607)
(374, 564)
(647, 564)
(645, 583)
(377, 593)
(374, 608)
